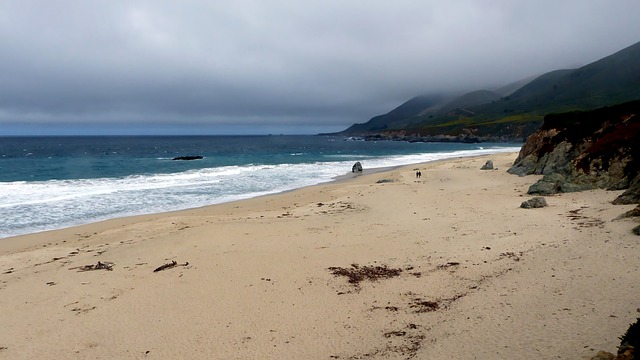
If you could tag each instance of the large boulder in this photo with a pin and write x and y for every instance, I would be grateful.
(548, 185)
(534, 203)
(357, 167)
(487, 166)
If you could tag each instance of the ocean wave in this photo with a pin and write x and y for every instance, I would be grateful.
(43, 205)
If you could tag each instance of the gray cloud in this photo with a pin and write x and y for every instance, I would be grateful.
(282, 62)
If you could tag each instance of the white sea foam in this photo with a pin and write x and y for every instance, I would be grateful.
(27, 207)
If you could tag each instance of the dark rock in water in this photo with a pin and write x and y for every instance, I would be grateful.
(197, 157)
(586, 150)
(536, 202)
(357, 167)
(487, 166)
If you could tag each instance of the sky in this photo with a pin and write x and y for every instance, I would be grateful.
(110, 67)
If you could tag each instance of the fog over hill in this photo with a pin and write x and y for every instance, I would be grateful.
(252, 67)
(515, 110)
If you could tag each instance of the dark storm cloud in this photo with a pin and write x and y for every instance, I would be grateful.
(329, 63)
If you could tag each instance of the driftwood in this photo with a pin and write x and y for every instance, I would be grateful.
(170, 265)
(101, 265)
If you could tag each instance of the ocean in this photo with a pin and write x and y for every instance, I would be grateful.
(49, 183)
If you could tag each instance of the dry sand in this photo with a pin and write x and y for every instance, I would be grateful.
(481, 278)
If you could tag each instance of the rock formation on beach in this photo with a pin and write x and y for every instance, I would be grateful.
(534, 203)
(585, 150)
(487, 166)
(357, 167)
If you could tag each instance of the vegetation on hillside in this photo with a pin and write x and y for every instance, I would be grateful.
(492, 115)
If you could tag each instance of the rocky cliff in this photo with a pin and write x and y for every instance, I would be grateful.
(585, 150)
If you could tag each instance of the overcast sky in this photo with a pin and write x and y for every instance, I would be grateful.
(278, 66)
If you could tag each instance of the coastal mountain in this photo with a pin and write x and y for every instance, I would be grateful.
(514, 111)
(398, 117)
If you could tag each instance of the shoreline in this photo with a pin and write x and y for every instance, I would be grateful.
(338, 178)
(5, 247)
(474, 276)
(26, 241)
(34, 239)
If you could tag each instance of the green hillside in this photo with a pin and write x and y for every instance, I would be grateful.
(396, 118)
(489, 115)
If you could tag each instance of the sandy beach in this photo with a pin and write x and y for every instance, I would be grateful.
(459, 270)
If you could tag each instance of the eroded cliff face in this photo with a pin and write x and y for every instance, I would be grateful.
(585, 150)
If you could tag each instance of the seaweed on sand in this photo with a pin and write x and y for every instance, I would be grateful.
(356, 274)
